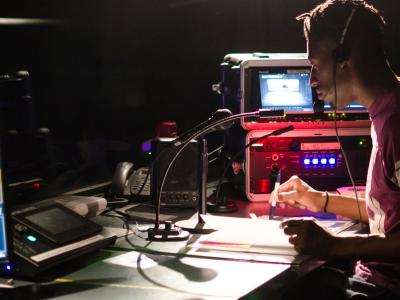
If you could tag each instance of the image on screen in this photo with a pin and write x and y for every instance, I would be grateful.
(289, 90)
(3, 243)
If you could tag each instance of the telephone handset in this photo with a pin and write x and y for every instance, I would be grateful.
(127, 182)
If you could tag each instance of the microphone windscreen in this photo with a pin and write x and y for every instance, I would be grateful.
(219, 115)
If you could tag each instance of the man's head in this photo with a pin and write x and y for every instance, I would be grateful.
(354, 27)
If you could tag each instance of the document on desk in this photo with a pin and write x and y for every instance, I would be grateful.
(246, 239)
(252, 239)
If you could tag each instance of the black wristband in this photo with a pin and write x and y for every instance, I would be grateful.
(326, 201)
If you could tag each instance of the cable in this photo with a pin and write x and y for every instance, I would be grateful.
(339, 141)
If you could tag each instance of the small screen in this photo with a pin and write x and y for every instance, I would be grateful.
(289, 90)
(55, 221)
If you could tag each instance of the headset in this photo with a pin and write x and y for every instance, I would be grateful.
(340, 54)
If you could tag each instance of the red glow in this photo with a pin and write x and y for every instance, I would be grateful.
(37, 185)
(264, 186)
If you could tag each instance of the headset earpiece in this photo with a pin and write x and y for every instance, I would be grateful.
(340, 54)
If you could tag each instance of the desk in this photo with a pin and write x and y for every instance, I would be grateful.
(161, 270)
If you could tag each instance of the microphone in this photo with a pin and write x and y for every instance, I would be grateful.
(218, 115)
(170, 232)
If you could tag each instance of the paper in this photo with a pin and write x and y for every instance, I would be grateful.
(246, 235)
(252, 239)
(246, 239)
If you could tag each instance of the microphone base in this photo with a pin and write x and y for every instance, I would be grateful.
(227, 206)
(195, 226)
(167, 234)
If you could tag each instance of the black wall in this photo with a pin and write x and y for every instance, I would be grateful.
(113, 68)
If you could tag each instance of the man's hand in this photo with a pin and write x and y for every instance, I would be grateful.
(309, 238)
(295, 192)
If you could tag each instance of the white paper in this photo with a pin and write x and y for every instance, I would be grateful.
(246, 235)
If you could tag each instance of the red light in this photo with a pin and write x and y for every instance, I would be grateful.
(37, 185)
(264, 186)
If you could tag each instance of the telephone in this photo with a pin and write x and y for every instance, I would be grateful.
(127, 182)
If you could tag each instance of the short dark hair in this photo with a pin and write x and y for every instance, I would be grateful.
(326, 22)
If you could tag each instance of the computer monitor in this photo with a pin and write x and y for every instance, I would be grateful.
(282, 81)
(4, 250)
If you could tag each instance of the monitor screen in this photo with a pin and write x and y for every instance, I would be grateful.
(288, 90)
(3, 237)
(352, 107)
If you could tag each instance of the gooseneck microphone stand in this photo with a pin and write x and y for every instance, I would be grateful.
(169, 232)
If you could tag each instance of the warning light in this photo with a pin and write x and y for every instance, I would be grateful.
(315, 161)
(37, 185)
(332, 161)
(307, 161)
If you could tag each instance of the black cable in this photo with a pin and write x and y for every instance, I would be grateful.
(339, 141)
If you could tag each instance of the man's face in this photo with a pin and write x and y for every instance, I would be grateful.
(320, 57)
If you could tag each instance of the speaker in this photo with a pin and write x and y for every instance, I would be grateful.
(182, 184)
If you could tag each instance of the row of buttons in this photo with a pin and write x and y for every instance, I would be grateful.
(319, 161)
(178, 197)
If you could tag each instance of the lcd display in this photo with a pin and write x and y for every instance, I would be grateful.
(55, 220)
(287, 90)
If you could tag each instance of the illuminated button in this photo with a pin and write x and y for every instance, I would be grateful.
(315, 161)
(332, 161)
(306, 161)
(324, 161)
(275, 157)
(31, 238)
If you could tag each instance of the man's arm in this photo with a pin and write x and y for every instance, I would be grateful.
(379, 248)
(310, 238)
(347, 206)
(295, 192)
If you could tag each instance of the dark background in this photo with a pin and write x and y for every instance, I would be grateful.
(109, 70)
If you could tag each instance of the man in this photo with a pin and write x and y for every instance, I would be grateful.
(344, 41)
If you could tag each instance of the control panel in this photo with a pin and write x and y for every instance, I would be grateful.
(315, 156)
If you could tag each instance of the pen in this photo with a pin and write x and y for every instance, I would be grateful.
(274, 195)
